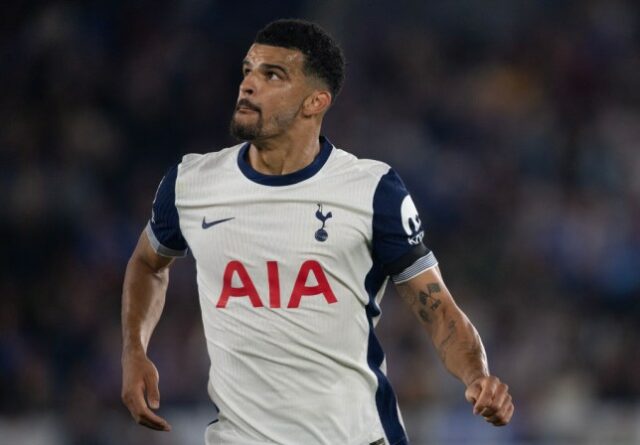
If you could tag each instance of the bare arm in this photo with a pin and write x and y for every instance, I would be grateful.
(143, 296)
(458, 344)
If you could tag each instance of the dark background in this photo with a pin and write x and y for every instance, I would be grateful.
(515, 124)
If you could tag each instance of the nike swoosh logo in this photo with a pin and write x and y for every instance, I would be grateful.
(206, 225)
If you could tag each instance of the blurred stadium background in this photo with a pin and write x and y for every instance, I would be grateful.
(515, 124)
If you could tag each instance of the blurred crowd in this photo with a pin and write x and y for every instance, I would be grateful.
(515, 125)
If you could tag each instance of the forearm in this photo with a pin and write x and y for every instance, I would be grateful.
(454, 337)
(143, 299)
(458, 345)
(460, 348)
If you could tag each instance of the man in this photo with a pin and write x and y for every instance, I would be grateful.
(294, 242)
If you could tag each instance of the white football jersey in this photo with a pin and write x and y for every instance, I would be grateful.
(291, 270)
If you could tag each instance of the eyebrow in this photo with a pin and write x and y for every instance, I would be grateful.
(269, 66)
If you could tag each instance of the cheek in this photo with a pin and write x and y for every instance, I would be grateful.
(282, 105)
(281, 99)
(285, 96)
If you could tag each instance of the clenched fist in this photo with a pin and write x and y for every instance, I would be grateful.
(491, 399)
(140, 377)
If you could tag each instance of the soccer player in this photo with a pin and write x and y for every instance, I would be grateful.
(294, 241)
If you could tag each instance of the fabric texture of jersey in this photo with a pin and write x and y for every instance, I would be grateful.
(291, 270)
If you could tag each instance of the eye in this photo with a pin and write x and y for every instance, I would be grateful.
(245, 71)
(272, 75)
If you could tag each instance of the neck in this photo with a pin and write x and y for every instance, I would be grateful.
(286, 153)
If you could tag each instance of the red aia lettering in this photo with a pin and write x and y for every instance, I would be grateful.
(300, 288)
(274, 284)
(246, 290)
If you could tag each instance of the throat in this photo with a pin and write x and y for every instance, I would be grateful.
(281, 160)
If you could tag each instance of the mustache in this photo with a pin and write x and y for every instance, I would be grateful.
(245, 103)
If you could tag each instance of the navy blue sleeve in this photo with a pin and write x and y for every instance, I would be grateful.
(397, 231)
(163, 229)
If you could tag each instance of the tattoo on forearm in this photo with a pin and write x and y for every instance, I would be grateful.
(451, 336)
(427, 299)
(433, 288)
(409, 296)
(424, 316)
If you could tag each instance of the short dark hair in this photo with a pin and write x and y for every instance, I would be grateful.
(323, 57)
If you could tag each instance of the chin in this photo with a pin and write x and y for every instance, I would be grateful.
(246, 120)
(246, 127)
(244, 132)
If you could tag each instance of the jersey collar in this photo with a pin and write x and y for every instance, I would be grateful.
(290, 178)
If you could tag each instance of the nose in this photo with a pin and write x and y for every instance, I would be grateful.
(248, 85)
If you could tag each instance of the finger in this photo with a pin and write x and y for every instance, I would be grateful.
(151, 420)
(488, 411)
(501, 397)
(503, 417)
(131, 396)
(506, 417)
(509, 415)
(472, 392)
(486, 396)
(143, 415)
(495, 421)
(153, 392)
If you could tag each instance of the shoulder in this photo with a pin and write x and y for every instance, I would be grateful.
(366, 169)
(198, 164)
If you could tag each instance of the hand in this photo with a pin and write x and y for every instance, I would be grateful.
(140, 376)
(491, 399)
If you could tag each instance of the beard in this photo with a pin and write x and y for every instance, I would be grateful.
(246, 131)
(256, 130)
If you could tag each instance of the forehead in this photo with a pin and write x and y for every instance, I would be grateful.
(274, 55)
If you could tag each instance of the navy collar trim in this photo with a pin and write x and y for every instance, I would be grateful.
(290, 178)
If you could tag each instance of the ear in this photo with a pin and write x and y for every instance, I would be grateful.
(316, 103)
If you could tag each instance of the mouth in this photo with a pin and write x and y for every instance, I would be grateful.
(245, 110)
(246, 107)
